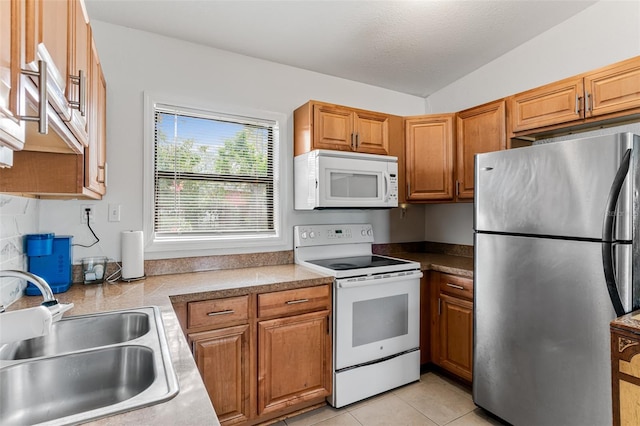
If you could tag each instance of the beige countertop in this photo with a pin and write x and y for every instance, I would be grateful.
(192, 405)
(456, 265)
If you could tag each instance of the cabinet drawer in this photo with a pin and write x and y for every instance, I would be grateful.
(456, 286)
(217, 312)
(290, 302)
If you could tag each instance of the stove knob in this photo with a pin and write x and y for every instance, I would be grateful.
(312, 234)
(369, 233)
(304, 235)
(363, 232)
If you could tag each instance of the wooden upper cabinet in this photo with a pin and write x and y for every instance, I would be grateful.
(372, 132)
(555, 103)
(12, 130)
(80, 52)
(614, 88)
(47, 38)
(479, 129)
(332, 128)
(320, 125)
(429, 157)
(608, 92)
(96, 152)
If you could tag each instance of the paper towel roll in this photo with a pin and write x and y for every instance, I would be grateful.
(132, 255)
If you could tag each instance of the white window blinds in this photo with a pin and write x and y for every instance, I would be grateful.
(213, 174)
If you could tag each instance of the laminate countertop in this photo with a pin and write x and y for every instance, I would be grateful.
(456, 265)
(192, 405)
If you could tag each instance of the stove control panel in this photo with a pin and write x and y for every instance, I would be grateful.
(316, 235)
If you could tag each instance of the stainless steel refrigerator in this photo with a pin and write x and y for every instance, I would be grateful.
(557, 257)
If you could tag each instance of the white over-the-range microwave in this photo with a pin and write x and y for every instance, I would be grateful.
(326, 179)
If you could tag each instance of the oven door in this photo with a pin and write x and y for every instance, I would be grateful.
(376, 317)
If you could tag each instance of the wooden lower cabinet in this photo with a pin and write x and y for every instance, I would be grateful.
(451, 326)
(456, 335)
(625, 370)
(262, 356)
(294, 360)
(227, 382)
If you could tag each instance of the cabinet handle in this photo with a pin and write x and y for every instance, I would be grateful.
(216, 313)
(459, 287)
(81, 81)
(457, 188)
(439, 300)
(357, 141)
(294, 302)
(41, 118)
(353, 141)
(101, 174)
(578, 99)
(587, 103)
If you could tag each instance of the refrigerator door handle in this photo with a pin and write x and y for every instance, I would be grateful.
(608, 233)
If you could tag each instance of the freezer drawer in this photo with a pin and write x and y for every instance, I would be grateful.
(542, 313)
(555, 189)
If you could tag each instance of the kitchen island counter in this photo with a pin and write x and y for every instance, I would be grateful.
(192, 405)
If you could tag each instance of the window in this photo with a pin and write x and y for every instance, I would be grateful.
(214, 176)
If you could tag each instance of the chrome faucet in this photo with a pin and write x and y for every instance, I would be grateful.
(50, 302)
(43, 286)
(30, 322)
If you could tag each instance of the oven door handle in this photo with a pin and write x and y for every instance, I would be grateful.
(371, 280)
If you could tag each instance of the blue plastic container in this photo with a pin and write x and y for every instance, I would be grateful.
(39, 244)
(55, 268)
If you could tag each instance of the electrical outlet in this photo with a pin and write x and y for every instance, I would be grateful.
(83, 213)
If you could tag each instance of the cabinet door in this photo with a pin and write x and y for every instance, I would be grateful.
(372, 133)
(95, 152)
(549, 105)
(79, 67)
(429, 158)
(613, 89)
(11, 95)
(456, 335)
(47, 39)
(222, 357)
(333, 128)
(294, 360)
(479, 129)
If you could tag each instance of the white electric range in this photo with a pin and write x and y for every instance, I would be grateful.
(376, 309)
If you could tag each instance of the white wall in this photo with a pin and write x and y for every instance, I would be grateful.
(607, 32)
(18, 217)
(135, 61)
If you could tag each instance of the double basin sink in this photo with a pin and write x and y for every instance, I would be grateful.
(89, 366)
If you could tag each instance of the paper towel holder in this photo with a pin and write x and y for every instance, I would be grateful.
(132, 251)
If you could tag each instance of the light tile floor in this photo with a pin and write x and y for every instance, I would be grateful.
(433, 401)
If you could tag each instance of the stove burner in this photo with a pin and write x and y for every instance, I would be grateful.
(357, 262)
(341, 266)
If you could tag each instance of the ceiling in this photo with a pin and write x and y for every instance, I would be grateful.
(414, 47)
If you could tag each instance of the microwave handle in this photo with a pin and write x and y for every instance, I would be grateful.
(387, 185)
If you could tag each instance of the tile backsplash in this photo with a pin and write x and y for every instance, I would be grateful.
(18, 217)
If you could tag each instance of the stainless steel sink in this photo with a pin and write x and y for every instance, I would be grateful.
(81, 332)
(118, 361)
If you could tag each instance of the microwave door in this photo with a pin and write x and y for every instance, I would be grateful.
(352, 188)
